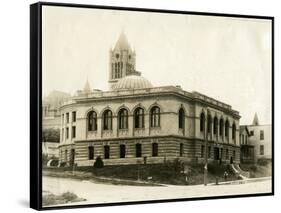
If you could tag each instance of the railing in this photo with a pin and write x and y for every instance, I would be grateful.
(123, 132)
(139, 132)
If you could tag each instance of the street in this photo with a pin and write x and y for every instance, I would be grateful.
(96, 193)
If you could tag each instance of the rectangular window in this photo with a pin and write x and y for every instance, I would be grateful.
(106, 152)
(252, 133)
(67, 117)
(67, 132)
(73, 132)
(261, 149)
(226, 154)
(91, 152)
(209, 152)
(155, 149)
(62, 118)
(65, 155)
(62, 134)
(181, 149)
(73, 116)
(122, 151)
(261, 135)
(138, 150)
(202, 151)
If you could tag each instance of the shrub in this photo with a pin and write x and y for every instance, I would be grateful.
(49, 199)
(178, 165)
(54, 163)
(98, 163)
(62, 164)
(69, 196)
(253, 168)
(263, 161)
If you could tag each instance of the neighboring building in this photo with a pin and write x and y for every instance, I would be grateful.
(50, 149)
(261, 139)
(51, 118)
(135, 121)
(50, 109)
(247, 154)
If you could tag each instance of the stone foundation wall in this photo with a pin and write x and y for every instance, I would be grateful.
(168, 149)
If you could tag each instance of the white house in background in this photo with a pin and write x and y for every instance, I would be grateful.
(261, 139)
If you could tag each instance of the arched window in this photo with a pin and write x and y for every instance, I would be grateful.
(139, 118)
(181, 149)
(233, 131)
(226, 131)
(209, 123)
(115, 73)
(202, 122)
(155, 116)
(215, 125)
(138, 150)
(221, 127)
(92, 121)
(106, 152)
(181, 118)
(155, 149)
(107, 120)
(91, 152)
(119, 71)
(122, 151)
(123, 119)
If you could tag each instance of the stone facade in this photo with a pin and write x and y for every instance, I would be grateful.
(168, 135)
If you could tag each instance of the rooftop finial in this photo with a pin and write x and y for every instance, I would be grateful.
(256, 120)
(87, 87)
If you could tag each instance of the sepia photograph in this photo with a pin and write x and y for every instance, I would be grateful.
(153, 106)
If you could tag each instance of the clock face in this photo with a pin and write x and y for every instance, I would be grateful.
(117, 55)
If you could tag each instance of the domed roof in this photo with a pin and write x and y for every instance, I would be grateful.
(132, 82)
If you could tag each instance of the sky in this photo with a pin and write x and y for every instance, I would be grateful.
(226, 58)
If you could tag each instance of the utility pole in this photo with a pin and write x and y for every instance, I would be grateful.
(206, 149)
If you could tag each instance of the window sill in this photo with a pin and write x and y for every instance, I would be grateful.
(155, 127)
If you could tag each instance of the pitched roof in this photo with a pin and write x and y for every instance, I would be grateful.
(122, 43)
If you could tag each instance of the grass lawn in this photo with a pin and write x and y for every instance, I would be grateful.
(168, 173)
(67, 197)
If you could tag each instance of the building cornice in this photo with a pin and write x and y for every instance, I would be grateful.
(193, 97)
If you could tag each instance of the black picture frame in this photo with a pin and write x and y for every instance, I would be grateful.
(36, 102)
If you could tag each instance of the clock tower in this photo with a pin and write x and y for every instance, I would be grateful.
(122, 61)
